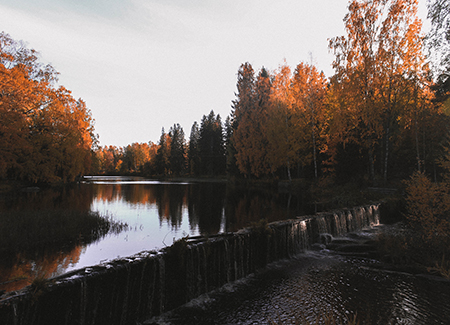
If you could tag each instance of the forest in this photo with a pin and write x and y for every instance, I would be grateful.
(382, 116)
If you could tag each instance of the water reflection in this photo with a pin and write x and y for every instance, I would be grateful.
(22, 271)
(206, 208)
(157, 213)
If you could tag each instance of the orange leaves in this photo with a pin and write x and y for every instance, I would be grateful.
(135, 157)
(428, 206)
(379, 73)
(46, 135)
(278, 118)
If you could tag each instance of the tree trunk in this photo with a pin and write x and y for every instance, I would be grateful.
(371, 166)
(289, 170)
(416, 131)
(386, 156)
(314, 142)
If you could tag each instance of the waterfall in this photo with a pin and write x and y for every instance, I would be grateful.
(150, 283)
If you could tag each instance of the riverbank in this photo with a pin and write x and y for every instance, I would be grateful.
(9, 186)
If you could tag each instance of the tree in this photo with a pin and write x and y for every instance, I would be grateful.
(15, 55)
(428, 207)
(162, 159)
(281, 128)
(439, 36)
(211, 145)
(177, 150)
(242, 107)
(134, 158)
(249, 136)
(193, 150)
(382, 51)
(258, 141)
(45, 134)
(309, 89)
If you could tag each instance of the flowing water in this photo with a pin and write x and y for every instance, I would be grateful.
(156, 213)
(318, 285)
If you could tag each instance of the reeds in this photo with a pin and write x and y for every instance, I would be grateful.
(30, 230)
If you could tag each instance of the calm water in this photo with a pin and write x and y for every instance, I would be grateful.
(156, 213)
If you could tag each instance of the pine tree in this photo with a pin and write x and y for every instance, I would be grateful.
(242, 107)
(177, 150)
(193, 150)
(211, 146)
(162, 159)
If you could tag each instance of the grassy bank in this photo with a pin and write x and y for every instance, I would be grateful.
(32, 230)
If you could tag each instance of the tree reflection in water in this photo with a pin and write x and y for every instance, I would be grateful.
(155, 211)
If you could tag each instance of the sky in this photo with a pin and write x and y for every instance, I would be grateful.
(141, 65)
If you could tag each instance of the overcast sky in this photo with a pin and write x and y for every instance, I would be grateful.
(141, 65)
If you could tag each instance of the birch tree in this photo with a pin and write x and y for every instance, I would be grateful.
(282, 135)
(382, 51)
(309, 88)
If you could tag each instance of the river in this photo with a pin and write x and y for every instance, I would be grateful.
(316, 284)
(156, 212)
(321, 286)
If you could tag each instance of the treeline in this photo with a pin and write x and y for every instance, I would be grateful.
(45, 134)
(204, 154)
(379, 118)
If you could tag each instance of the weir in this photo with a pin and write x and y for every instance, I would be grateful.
(130, 290)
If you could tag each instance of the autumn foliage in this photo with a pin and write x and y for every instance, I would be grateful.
(429, 207)
(375, 119)
(205, 154)
(46, 135)
(379, 118)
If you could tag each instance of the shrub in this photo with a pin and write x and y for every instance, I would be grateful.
(428, 207)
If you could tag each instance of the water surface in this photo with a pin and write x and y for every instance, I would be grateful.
(319, 285)
(156, 212)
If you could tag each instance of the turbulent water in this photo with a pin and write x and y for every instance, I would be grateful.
(320, 284)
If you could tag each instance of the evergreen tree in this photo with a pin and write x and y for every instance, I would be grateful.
(250, 139)
(241, 109)
(230, 150)
(211, 145)
(177, 150)
(162, 162)
(193, 150)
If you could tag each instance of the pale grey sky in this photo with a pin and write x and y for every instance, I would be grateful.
(141, 65)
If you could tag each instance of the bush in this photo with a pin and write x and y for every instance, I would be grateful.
(428, 208)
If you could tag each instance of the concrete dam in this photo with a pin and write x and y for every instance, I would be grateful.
(133, 289)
